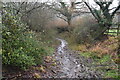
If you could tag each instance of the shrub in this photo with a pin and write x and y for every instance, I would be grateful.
(20, 46)
(33, 47)
(22, 61)
(87, 30)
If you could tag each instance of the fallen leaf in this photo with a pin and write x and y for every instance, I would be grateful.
(42, 69)
(48, 59)
(36, 75)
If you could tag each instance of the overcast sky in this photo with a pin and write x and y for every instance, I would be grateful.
(115, 2)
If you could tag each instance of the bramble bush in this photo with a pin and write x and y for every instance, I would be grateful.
(20, 47)
(87, 30)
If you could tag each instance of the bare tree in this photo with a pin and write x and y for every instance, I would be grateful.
(23, 7)
(38, 18)
(67, 11)
(104, 16)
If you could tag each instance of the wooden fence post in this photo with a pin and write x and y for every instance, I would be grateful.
(118, 29)
(118, 13)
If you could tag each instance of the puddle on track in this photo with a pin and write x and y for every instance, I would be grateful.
(70, 66)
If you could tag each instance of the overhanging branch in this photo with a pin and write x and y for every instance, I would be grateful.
(62, 18)
(91, 10)
(113, 13)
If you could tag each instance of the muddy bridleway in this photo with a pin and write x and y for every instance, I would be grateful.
(72, 65)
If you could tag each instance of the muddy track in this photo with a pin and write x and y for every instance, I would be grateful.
(72, 65)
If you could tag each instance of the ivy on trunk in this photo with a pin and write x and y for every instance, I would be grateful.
(104, 16)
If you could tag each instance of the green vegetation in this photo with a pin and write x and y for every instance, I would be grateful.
(29, 35)
(112, 32)
(103, 51)
(104, 64)
(20, 46)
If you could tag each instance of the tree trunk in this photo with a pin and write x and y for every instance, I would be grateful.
(69, 23)
(102, 31)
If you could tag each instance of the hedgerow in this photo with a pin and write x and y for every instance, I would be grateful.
(20, 47)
